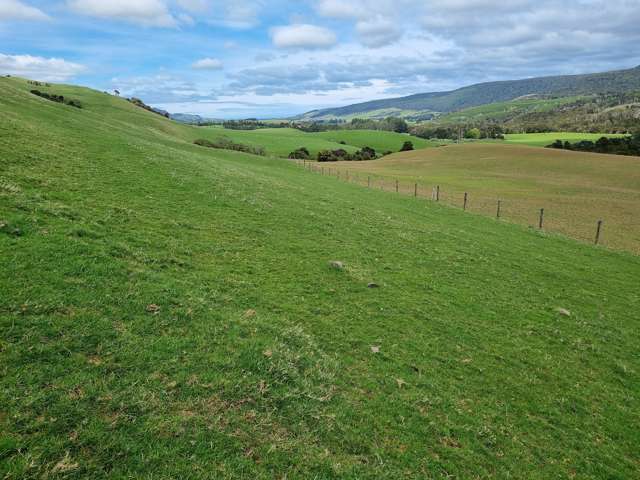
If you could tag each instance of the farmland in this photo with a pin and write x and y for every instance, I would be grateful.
(544, 139)
(282, 141)
(171, 311)
(575, 189)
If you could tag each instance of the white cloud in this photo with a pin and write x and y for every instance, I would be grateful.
(208, 64)
(39, 68)
(16, 10)
(194, 6)
(153, 13)
(338, 9)
(302, 36)
(378, 32)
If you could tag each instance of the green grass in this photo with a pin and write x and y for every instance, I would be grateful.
(576, 189)
(544, 139)
(282, 141)
(380, 141)
(257, 360)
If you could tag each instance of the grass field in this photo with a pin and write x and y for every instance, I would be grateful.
(282, 141)
(576, 189)
(168, 311)
(544, 139)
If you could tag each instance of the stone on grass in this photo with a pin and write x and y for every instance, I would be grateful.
(563, 311)
(336, 265)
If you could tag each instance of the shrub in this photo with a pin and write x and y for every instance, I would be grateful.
(57, 98)
(300, 154)
(226, 144)
(326, 156)
(407, 146)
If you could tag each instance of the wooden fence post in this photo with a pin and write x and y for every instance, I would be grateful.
(598, 231)
(437, 193)
(498, 212)
(415, 191)
(541, 218)
(397, 187)
(466, 195)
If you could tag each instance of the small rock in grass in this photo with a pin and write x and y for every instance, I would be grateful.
(250, 313)
(375, 349)
(373, 285)
(153, 308)
(564, 312)
(336, 265)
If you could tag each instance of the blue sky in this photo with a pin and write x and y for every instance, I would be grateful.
(266, 58)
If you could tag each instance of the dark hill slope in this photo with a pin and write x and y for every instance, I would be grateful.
(485, 93)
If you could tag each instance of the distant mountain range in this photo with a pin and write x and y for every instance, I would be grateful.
(425, 106)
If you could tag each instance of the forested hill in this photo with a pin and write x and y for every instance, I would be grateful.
(486, 93)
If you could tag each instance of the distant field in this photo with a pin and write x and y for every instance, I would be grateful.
(544, 139)
(282, 141)
(380, 141)
(575, 189)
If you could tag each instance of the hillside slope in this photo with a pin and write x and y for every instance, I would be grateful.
(488, 93)
(169, 311)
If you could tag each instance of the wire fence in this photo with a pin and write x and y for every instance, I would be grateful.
(621, 232)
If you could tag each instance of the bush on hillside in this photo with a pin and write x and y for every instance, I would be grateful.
(407, 146)
(57, 98)
(616, 146)
(366, 153)
(226, 144)
(300, 154)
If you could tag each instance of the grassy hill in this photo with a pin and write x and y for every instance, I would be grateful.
(282, 141)
(576, 189)
(488, 93)
(544, 139)
(169, 311)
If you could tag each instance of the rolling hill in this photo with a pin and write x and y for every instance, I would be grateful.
(173, 311)
(426, 105)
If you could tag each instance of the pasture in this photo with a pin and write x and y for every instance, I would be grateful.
(172, 311)
(282, 141)
(576, 189)
(544, 139)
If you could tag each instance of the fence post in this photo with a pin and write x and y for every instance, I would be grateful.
(465, 201)
(397, 187)
(415, 191)
(541, 218)
(598, 232)
(338, 174)
(437, 193)
(322, 170)
(498, 212)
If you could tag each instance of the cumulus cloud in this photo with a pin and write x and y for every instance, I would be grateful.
(39, 68)
(16, 10)
(378, 32)
(302, 36)
(208, 64)
(160, 88)
(338, 9)
(152, 13)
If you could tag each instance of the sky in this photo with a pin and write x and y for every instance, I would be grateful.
(274, 58)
